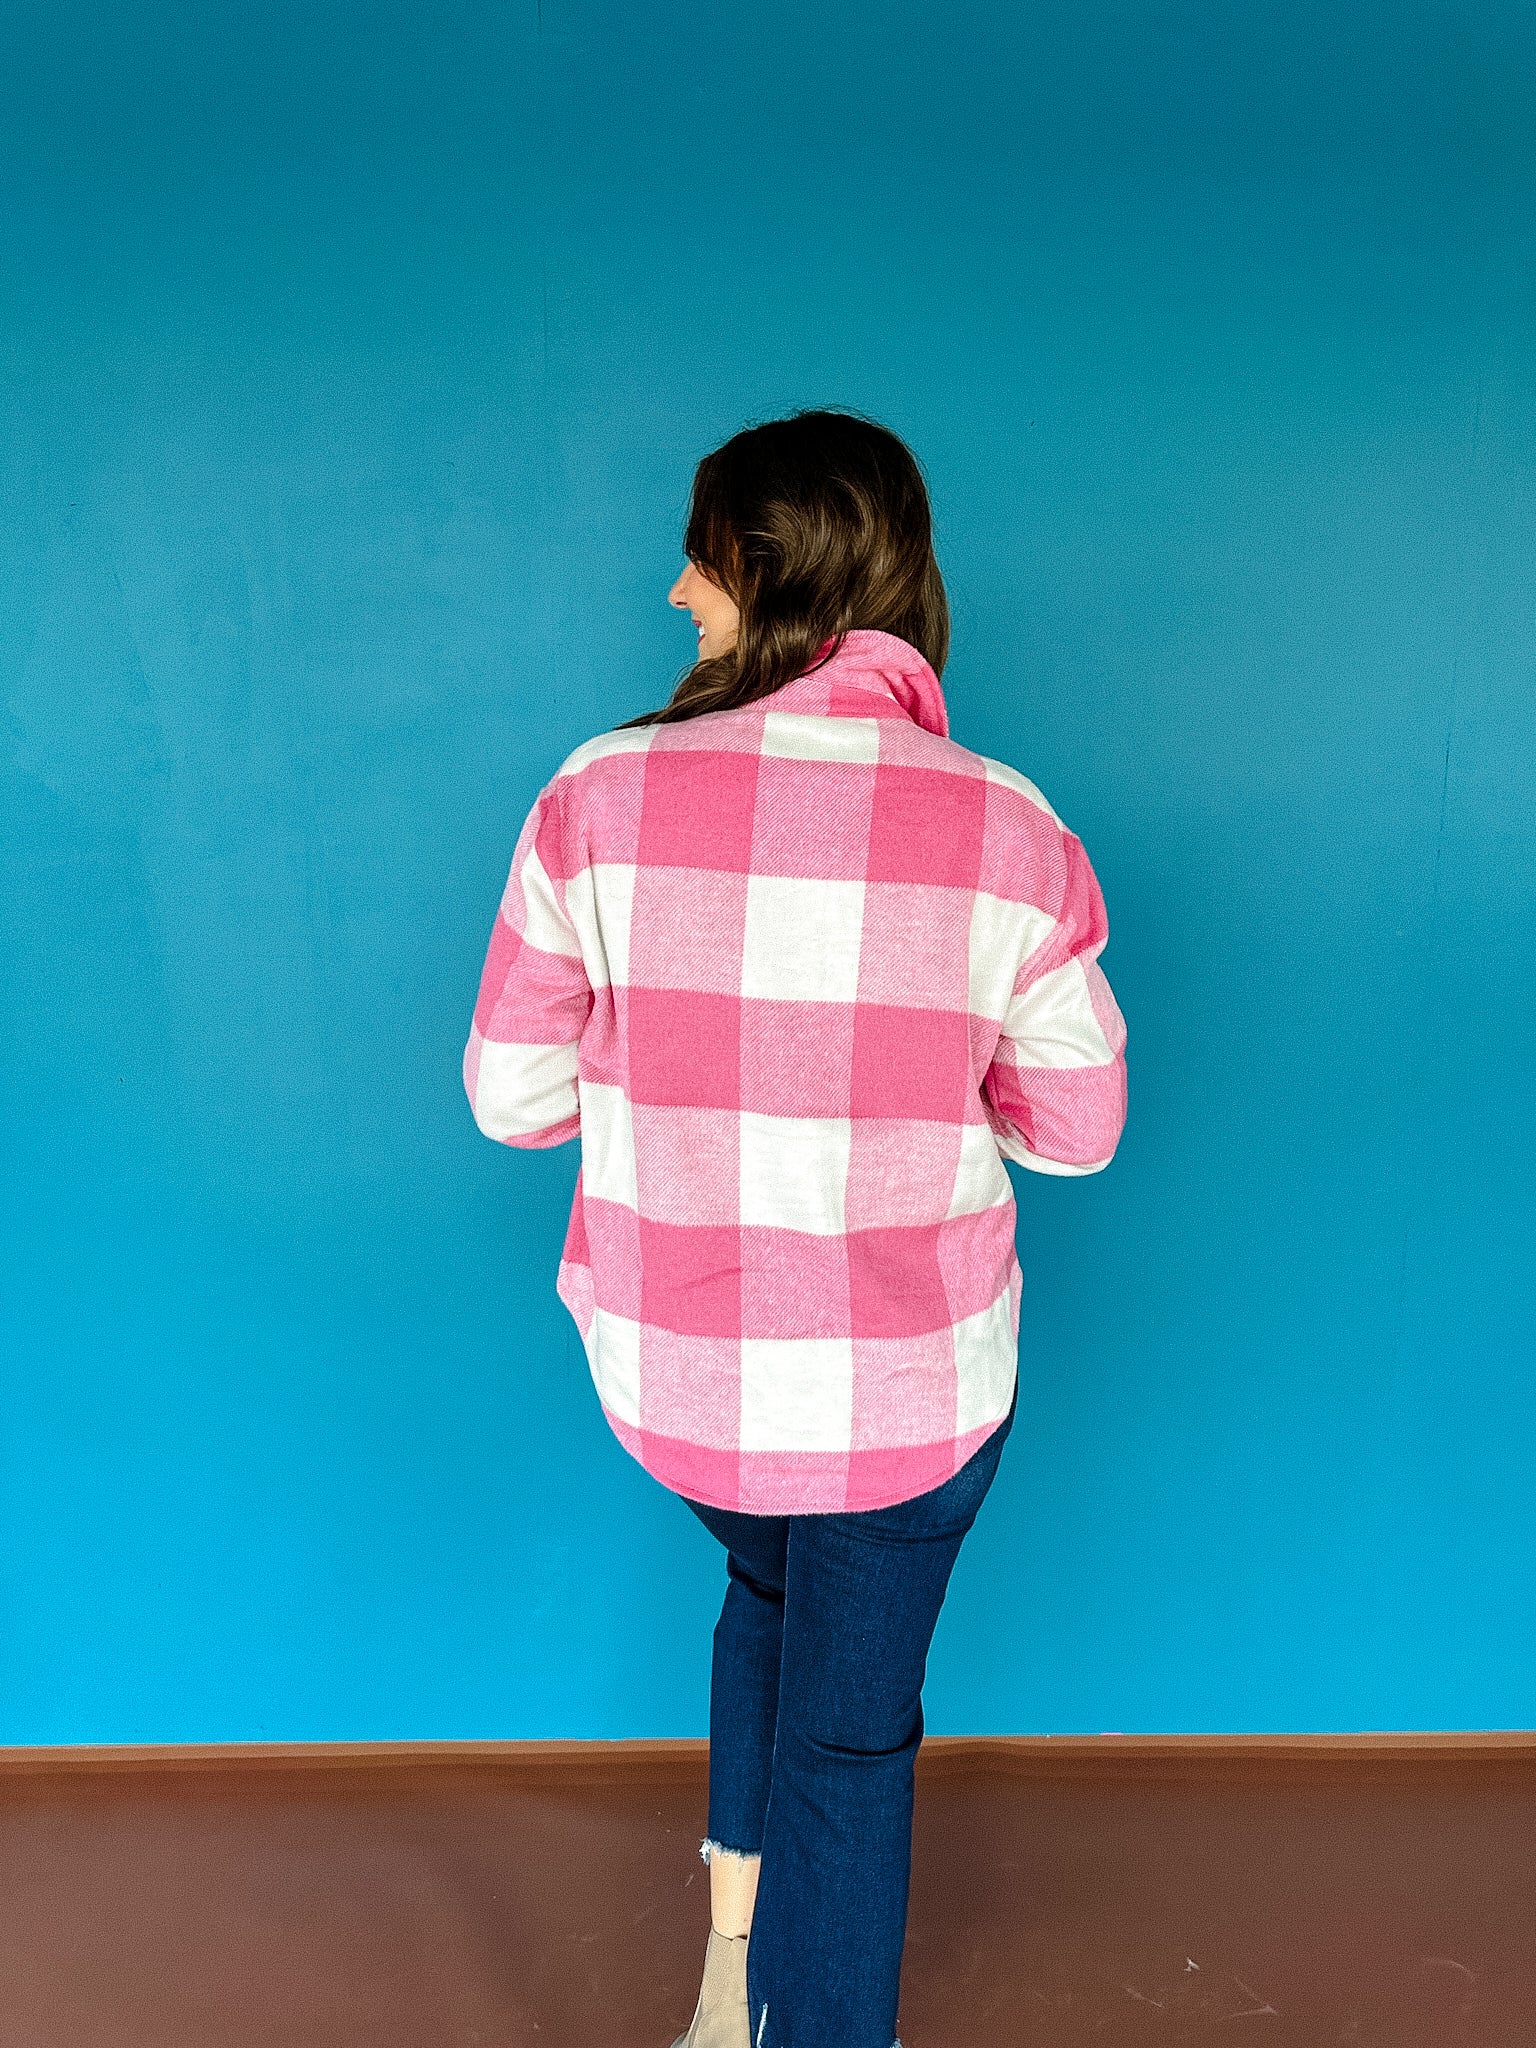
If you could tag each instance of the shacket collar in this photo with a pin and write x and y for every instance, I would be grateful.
(869, 660)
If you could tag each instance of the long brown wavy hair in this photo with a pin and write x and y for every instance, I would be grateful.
(815, 525)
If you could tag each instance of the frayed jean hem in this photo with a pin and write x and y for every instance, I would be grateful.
(709, 1848)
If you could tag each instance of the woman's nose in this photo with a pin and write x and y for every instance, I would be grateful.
(675, 594)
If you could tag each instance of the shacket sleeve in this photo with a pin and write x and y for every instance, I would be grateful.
(534, 1000)
(1056, 1088)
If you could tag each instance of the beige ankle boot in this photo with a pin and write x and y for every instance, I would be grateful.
(720, 2017)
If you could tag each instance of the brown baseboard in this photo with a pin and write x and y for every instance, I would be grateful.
(941, 1755)
(1125, 1891)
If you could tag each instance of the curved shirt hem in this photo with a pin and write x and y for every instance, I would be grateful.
(801, 1482)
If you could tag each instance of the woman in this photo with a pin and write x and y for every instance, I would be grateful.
(802, 971)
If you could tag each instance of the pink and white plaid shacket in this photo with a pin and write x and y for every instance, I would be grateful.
(800, 975)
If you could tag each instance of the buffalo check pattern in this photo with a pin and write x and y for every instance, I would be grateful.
(800, 975)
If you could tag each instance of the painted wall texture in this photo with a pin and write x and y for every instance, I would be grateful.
(355, 363)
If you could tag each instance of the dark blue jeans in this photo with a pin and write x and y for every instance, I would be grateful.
(815, 1715)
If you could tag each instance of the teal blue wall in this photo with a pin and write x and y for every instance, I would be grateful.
(355, 362)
